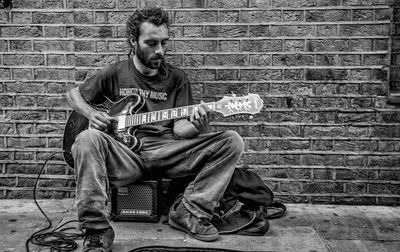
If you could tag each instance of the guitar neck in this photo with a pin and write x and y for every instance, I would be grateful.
(161, 115)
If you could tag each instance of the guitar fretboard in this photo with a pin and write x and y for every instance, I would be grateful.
(160, 115)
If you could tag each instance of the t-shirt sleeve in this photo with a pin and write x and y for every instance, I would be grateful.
(184, 96)
(95, 88)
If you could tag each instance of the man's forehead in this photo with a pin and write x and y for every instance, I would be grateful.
(152, 31)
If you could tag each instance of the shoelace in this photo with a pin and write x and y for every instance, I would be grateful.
(204, 222)
(95, 240)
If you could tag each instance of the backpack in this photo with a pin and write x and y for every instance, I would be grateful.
(245, 207)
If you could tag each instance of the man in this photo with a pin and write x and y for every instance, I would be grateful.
(172, 149)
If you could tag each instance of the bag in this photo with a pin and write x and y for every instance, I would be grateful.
(244, 207)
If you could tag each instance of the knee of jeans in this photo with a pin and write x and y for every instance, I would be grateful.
(88, 138)
(236, 141)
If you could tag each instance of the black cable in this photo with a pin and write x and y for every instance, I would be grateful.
(57, 240)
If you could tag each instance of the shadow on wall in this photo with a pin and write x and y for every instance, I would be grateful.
(6, 4)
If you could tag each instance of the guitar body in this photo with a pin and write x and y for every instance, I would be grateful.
(77, 123)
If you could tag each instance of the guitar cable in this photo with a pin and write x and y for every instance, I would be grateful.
(58, 239)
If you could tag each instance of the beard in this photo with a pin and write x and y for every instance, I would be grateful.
(149, 62)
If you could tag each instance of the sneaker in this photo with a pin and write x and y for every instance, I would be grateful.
(98, 240)
(198, 228)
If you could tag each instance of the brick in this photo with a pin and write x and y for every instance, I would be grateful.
(193, 31)
(325, 145)
(262, 45)
(223, 74)
(293, 74)
(191, 60)
(344, 117)
(94, 31)
(363, 15)
(294, 116)
(323, 174)
(55, 143)
(28, 4)
(327, 45)
(361, 74)
(384, 188)
(384, 161)
(19, 142)
(155, 3)
(356, 160)
(55, 32)
(6, 101)
(61, 45)
(389, 175)
(326, 60)
(323, 187)
(52, 18)
(259, 31)
(51, 101)
(292, 30)
(225, 31)
(5, 73)
(21, 17)
(123, 4)
(289, 145)
(22, 74)
(389, 146)
(389, 117)
(53, 4)
(363, 2)
(119, 17)
(25, 128)
(26, 115)
(350, 60)
(221, 88)
(23, 59)
(378, 59)
(27, 155)
(260, 60)
(326, 30)
(21, 31)
(255, 16)
(328, 15)
(251, 75)
(293, 60)
(97, 60)
(259, 158)
(93, 4)
(229, 16)
(26, 87)
(25, 101)
(355, 188)
(49, 128)
(360, 45)
(227, 60)
(56, 115)
(201, 74)
(227, 4)
(83, 17)
(293, 16)
(363, 30)
(195, 46)
(20, 45)
(326, 74)
(6, 128)
(8, 182)
(294, 45)
(195, 16)
(359, 146)
(54, 74)
(328, 131)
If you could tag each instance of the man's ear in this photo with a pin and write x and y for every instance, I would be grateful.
(133, 41)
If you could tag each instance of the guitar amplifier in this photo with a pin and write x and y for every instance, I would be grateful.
(136, 202)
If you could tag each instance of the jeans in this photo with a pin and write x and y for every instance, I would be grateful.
(101, 162)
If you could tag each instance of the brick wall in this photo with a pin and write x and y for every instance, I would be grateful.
(326, 133)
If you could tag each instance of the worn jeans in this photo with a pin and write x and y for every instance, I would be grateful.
(101, 162)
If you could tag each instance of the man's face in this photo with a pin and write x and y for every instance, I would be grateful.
(152, 44)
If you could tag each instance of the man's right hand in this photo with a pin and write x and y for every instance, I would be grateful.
(99, 120)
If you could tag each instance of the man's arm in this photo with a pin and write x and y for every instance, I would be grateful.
(97, 119)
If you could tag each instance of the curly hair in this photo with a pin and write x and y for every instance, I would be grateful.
(156, 16)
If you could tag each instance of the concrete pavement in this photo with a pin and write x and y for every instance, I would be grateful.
(304, 228)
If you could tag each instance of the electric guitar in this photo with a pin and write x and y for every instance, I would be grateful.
(127, 120)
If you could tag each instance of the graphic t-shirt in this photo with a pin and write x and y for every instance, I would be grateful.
(170, 88)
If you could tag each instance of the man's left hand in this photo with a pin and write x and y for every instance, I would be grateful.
(201, 118)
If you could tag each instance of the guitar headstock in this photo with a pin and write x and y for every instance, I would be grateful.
(233, 105)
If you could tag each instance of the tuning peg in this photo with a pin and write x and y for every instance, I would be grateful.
(251, 117)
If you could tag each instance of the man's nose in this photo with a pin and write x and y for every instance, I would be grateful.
(159, 49)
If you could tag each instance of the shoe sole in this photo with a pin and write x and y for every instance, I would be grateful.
(206, 238)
